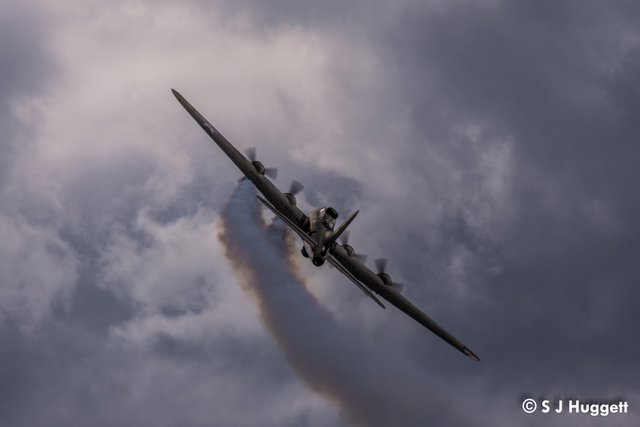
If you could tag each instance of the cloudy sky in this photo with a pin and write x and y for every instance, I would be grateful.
(489, 146)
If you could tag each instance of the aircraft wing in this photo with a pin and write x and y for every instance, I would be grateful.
(299, 231)
(275, 197)
(357, 271)
(341, 269)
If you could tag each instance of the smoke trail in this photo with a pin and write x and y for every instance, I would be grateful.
(371, 387)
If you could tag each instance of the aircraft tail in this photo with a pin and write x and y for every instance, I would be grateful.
(334, 236)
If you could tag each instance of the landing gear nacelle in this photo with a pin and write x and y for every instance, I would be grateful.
(316, 260)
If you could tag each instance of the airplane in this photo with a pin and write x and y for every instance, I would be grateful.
(319, 235)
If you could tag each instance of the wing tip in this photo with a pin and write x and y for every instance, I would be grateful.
(470, 354)
(180, 98)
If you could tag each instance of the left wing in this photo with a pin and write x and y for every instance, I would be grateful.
(356, 271)
(247, 167)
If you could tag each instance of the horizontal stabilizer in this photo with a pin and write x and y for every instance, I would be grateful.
(334, 236)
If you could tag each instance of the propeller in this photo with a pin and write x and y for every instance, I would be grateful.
(251, 155)
(397, 286)
(295, 187)
(271, 172)
(344, 239)
(381, 266)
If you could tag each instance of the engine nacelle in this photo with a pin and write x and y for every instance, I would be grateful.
(386, 279)
(291, 198)
(349, 250)
(258, 166)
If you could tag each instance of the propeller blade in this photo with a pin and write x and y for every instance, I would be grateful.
(251, 153)
(271, 172)
(360, 257)
(252, 156)
(397, 286)
(344, 239)
(295, 187)
(381, 264)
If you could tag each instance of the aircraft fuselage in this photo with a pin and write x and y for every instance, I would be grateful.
(321, 223)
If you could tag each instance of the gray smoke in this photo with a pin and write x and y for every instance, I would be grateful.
(372, 387)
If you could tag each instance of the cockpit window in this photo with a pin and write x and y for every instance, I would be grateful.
(329, 217)
(329, 222)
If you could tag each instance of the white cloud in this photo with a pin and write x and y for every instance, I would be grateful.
(37, 272)
(177, 277)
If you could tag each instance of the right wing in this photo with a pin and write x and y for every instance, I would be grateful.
(358, 271)
(351, 277)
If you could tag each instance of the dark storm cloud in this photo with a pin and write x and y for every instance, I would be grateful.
(557, 81)
(557, 84)
(551, 77)
(507, 204)
(26, 64)
(27, 68)
(73, 377)
(545, 76)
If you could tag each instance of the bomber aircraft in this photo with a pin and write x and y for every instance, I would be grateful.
(319, 235)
